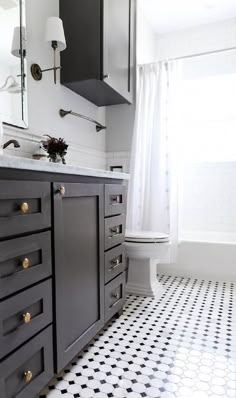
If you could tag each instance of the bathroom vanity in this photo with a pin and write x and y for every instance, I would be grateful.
(62, 266)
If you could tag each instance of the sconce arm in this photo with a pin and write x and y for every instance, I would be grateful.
(48, 69)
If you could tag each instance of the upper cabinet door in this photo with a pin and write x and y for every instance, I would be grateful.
(117, 45)
(98, 63)
(81, 61)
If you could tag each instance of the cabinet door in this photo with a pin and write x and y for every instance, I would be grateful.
(81, 61)
(79, 266)
(118, 45)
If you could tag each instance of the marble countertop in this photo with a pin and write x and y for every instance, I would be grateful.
(12, 162)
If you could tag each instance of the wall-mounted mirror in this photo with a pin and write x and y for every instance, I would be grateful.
(13, 90)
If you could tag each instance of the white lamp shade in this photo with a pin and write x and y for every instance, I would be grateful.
(16, 46)
(55, 32)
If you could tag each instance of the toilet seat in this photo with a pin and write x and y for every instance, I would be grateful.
(146, 237)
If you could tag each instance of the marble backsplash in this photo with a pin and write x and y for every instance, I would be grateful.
(77, 155)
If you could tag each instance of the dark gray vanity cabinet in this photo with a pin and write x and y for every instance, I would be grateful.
(62, 271)
(26, 315)
(115, 220)
(98, 63)
(79, 271)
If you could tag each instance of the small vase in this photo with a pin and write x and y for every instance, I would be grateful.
(55, 159)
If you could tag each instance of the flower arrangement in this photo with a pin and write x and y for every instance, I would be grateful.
(56, 149)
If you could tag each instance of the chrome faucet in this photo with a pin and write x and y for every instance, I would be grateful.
(14, 142)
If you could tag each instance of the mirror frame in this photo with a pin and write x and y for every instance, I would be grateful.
(23, 122)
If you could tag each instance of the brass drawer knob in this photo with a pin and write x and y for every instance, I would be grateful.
(115, 199)
(115, 295)
(28, 376)
(61, 190)
(115, 264)
(26, 317)
(115, 231)
(24, 207)
(25, 263)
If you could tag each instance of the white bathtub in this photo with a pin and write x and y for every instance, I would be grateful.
(199, 258)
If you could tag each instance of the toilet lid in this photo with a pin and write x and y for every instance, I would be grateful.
(146, 237)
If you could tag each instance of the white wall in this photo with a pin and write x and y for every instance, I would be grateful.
(208, 202)
(120, 119)
(208, 188)
(210, 65)
(152, 47)
(45, 99)
(196, 40)
(146, 40)
(120, 123)
(214, 188)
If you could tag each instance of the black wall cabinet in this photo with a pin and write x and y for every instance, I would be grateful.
(98, 63)
(79, 272)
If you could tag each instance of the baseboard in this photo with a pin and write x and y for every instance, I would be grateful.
(137, 290)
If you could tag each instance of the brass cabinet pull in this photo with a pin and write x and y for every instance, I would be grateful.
(28, 375)
(115, 264)
(26, 317)
(25, 263)
(117, 297)
(61, 190)
(24, 207)
(115, 199)
(114, 231)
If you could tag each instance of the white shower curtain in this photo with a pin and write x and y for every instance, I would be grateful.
(152, 197)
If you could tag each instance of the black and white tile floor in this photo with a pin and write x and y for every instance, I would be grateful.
(180, 344)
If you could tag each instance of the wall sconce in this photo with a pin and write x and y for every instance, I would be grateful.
(54, 35)
(18, 49)
(19, 42)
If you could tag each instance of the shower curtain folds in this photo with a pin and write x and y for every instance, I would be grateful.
(152, 196)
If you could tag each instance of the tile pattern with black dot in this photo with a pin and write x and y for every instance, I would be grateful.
(182, 343)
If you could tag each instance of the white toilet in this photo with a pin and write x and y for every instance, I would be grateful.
(144, 251)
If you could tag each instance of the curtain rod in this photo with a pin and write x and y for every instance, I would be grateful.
(191, 56)
(99, 126)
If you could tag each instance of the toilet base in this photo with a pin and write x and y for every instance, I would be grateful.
(142, 278)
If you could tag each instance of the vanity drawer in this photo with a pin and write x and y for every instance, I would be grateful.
(24, 315)
(29, 369)
(114, 262)
(114, 231)
(24, 261)
(25, 206)
(114, 296)
(115, 199)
